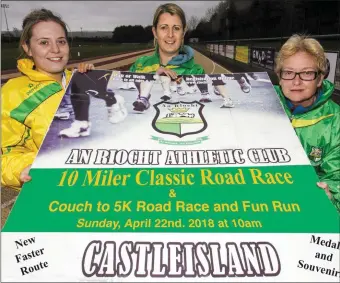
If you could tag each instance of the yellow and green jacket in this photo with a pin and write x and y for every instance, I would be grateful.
(319, 134)
(29, 103)
(182, 64)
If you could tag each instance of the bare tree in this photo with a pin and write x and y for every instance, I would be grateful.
(219, 8)
(16, 32)
(192, 23)
(222, 6)
(209, 14)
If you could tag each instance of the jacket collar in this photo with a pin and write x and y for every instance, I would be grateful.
(301, 120)
(184, 58)
(323, 95)
(25, 66)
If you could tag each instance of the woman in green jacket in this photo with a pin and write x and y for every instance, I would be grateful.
(171, 57)
(306, 98)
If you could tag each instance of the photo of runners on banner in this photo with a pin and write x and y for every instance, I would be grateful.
(177, 108)
(225, 171)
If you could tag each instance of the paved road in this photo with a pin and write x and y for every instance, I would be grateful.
(8, 196)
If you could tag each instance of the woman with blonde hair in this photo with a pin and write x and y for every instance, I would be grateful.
(306, 98)
(171, 57)
(30, 101)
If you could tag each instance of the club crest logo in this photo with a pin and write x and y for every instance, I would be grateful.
(179, 118)
(316, 153)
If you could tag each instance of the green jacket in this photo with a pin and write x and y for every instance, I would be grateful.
(319, 134)
(182, 64)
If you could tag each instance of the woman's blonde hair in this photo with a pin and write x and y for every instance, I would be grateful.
(172, 9)
(34, 17)
(301, 43)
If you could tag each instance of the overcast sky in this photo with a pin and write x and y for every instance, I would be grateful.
(98, 15)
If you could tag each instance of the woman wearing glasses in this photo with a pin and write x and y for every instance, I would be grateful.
(306, 98)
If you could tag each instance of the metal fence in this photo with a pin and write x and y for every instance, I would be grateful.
(261, 52)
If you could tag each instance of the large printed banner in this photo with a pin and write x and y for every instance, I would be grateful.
(242, 54)
(332, 58)
(263, 57)
(184, 191)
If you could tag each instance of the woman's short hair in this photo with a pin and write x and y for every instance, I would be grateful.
(301, 43)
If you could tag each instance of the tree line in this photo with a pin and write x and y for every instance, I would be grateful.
(234, 19)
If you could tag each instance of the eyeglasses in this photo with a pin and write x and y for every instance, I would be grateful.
(305, 76)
